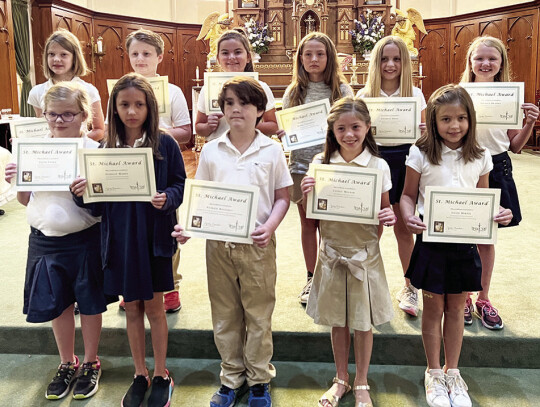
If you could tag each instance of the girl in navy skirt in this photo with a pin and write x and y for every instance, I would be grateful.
(447, 155)
(487, 61)
(137, 246)
(63, 263)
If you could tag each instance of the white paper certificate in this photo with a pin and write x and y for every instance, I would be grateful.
(395, 119)
(497, 104)
(45, 164)
(345, 193)
(461, 215)
(118, 174)
(213, 82)
(31, 127)
(160, 84)
(217, 211)
(305, 125)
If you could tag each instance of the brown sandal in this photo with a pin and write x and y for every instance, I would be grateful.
(330, 397)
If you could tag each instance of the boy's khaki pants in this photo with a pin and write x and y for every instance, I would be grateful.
(241, 286)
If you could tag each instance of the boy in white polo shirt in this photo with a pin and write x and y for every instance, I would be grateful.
(242, 277)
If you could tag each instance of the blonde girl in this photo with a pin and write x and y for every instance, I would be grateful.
(316, 76)
(445, 271)
(390, 75)
(487, 61)
(137, 243)
(63, 60)
(64, 262)
(233, 55)
(344, 295)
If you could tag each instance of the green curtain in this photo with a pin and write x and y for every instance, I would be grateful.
(22, 52)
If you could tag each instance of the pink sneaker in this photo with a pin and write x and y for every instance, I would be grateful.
(467, 315)
(171, 302)
(489, 315)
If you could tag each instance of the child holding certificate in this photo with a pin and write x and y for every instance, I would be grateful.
(233, 55)
(448, 155)
(64, 262)
(487, 61)
(137, 246)
(349, 289)
(242, 277)
(390, 75)
(63, 60)
(316, 76)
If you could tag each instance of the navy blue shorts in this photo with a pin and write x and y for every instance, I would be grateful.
(445, 268)
(62, 270)
(395, 156)
(501, 177)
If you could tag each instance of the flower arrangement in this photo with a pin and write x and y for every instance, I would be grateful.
(367, 31)
(258, 36)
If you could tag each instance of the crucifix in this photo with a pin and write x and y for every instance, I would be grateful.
(309, 21)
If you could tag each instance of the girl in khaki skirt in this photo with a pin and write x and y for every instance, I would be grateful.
(349, 285)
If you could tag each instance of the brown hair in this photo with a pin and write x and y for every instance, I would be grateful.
(431, 142)
(248, 90)
(243, 39)
(147, 36)
(504, 74)
(71, 44)
(116, 128)
(69, 90)
(341, 107)
(333, 77)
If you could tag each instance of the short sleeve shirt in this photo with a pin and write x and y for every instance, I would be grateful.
(37, 93)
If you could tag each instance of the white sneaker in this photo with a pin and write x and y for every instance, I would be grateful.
(408, 300)
(304, 295)
(457, 389)
(436, 391)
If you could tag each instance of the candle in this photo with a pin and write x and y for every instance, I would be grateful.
(208, 64)
(420, 68)
(197, 72)
(100, 45)
(354, 60)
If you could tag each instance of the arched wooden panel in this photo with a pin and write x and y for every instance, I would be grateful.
(8, 78)
(434, 56)
(193, 54)
(492, 28)
(522, 45)
(463, 34)
(83, 31)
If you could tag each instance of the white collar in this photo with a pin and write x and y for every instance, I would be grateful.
(259, 141)
(362, 159)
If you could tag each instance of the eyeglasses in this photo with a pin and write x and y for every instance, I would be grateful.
(66, 117)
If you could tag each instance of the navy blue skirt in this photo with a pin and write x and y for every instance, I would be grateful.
(445, 268)
(501, 177)
(62, 270)
(395, 156)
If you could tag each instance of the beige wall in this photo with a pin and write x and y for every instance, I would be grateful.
(446, 8)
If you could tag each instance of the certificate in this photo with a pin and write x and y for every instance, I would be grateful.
(217, 211)
(213, 82)
(160, 84)
(345, 193)
(461, 215)
(497, 104)
(118, 174)
(45, 164)
(305, 125)
(29, 127)
(395, 119)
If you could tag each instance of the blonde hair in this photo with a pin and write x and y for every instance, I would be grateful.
(240, 36)
(71, 44)
(148, 37)
(373, 81)
(333, 77)
(116, 128)
(431, 142)
(504, 74)
(63, 91)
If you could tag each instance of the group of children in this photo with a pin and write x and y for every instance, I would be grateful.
(100, 251)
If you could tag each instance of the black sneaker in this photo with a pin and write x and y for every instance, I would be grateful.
(135, 394)
(88, 380)
(61, 383)
(162, 389)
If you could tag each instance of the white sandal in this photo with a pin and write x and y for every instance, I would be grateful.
(329, 397)
(360, 403)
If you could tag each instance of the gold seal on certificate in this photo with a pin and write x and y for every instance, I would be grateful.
(213, 82)
(118, 174)
(45, 164)
(226, 212)
(497, 104)
(395, 119)
(461, 215)
(30, 127)
(160, 84)
(305, 125)
(345, 193)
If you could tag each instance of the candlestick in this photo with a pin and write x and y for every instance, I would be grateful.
(420, 68)
(354, 59)
(99, 45)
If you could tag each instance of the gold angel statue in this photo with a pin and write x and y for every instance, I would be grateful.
(404, 27)
(213, 26)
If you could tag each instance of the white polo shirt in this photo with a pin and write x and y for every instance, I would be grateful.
(495, 140)
(452, 171)
(37, 93)
(262, 165)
